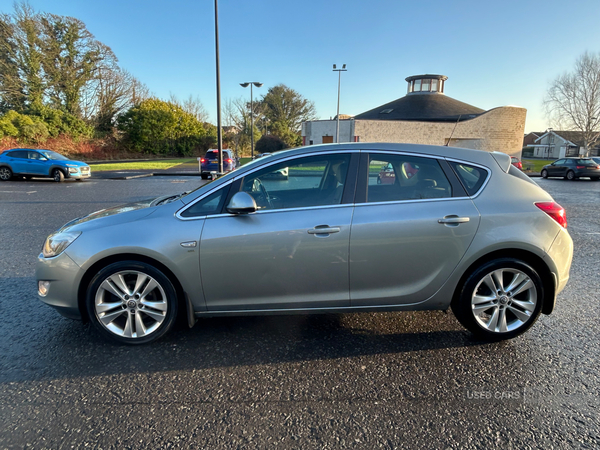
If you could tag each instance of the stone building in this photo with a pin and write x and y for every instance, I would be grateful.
(425, 115)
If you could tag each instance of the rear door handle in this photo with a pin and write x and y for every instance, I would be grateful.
(453, 220)
(324, 229)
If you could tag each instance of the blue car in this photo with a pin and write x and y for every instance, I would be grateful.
(31, 163)
(210, 162)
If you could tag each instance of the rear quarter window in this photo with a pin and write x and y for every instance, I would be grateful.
(471, 177)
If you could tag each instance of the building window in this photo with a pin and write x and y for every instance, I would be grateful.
(434, 85)
(425, 84)
(417, 87)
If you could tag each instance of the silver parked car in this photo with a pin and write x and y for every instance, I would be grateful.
(456, 228)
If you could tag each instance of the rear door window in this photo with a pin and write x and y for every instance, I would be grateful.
(402, 177)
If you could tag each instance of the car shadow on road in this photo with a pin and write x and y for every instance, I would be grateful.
(69, 349)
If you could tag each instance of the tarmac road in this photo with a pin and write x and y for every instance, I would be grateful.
(386, 380)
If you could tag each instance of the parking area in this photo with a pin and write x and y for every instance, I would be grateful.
(384, 380)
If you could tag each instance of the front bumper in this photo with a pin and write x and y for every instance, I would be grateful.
(64, 276)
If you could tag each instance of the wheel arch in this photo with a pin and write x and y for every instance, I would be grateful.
(62, 169)
(536, 262)
(183, 301)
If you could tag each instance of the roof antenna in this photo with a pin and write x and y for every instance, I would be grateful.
(451, 134)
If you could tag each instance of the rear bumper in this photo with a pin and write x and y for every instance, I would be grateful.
(587, 173)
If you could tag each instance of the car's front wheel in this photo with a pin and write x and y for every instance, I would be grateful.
(500, 300)
(132, 302)
(58, 175)
(5, 173)
(544, 173)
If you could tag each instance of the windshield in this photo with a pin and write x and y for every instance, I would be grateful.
(53, 155)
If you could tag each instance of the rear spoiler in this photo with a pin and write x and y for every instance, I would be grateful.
(502, 159)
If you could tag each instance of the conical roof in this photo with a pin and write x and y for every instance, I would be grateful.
(426, 107)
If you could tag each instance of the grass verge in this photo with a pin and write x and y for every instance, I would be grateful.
(142, 165)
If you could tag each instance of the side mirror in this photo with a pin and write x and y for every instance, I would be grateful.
(241, 203)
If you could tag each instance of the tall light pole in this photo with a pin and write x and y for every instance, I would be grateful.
(219, 135)
(339, 71)
(245, 85)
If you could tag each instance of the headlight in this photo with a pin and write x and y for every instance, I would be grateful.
(56, 243)
(73, 170)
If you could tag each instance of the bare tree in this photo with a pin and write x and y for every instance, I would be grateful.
(192, 105)
(573, 100)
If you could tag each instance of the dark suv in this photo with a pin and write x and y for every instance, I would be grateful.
(210, 162)
(572, 168)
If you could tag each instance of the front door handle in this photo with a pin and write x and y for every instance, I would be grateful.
(324, 230)
(453, 220)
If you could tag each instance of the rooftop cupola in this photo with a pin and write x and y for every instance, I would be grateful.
(426, 84)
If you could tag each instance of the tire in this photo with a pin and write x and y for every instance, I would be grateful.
(480, 308)
(131, 302)
(5, 173)
(58, 175)
(595, 178)
(570, 175)
(544, 173)
(378, 179)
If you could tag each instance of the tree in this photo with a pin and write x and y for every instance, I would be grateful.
(21, 73)
(112, 92)
(71, 60)
(573, 100)
(161, 127)
(237, 118)
(285, 109)
(270, 144)
(193, 105)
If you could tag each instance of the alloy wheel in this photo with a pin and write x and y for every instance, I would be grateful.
(5, 173)
(131, 304)
(504, 300)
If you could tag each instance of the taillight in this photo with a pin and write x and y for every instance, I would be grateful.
(580, 167)
(202, 161)
(555, 211)
(228, 161)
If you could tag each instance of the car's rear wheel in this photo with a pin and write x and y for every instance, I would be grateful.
(595, 178)
(500, 300)
(58, 175)
(544, 173)
(570, 175)
(132, 302)
(5, 173)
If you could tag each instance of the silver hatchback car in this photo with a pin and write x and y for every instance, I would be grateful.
(451, 228)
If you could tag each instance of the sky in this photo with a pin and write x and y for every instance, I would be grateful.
(495, 53)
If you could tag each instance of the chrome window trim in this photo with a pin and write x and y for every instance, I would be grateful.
(416, 200)
(270, 211)
(487, 169)
(390, 152)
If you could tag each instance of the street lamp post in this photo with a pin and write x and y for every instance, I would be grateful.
(339, 71)
(219, 131)
(245, 85)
